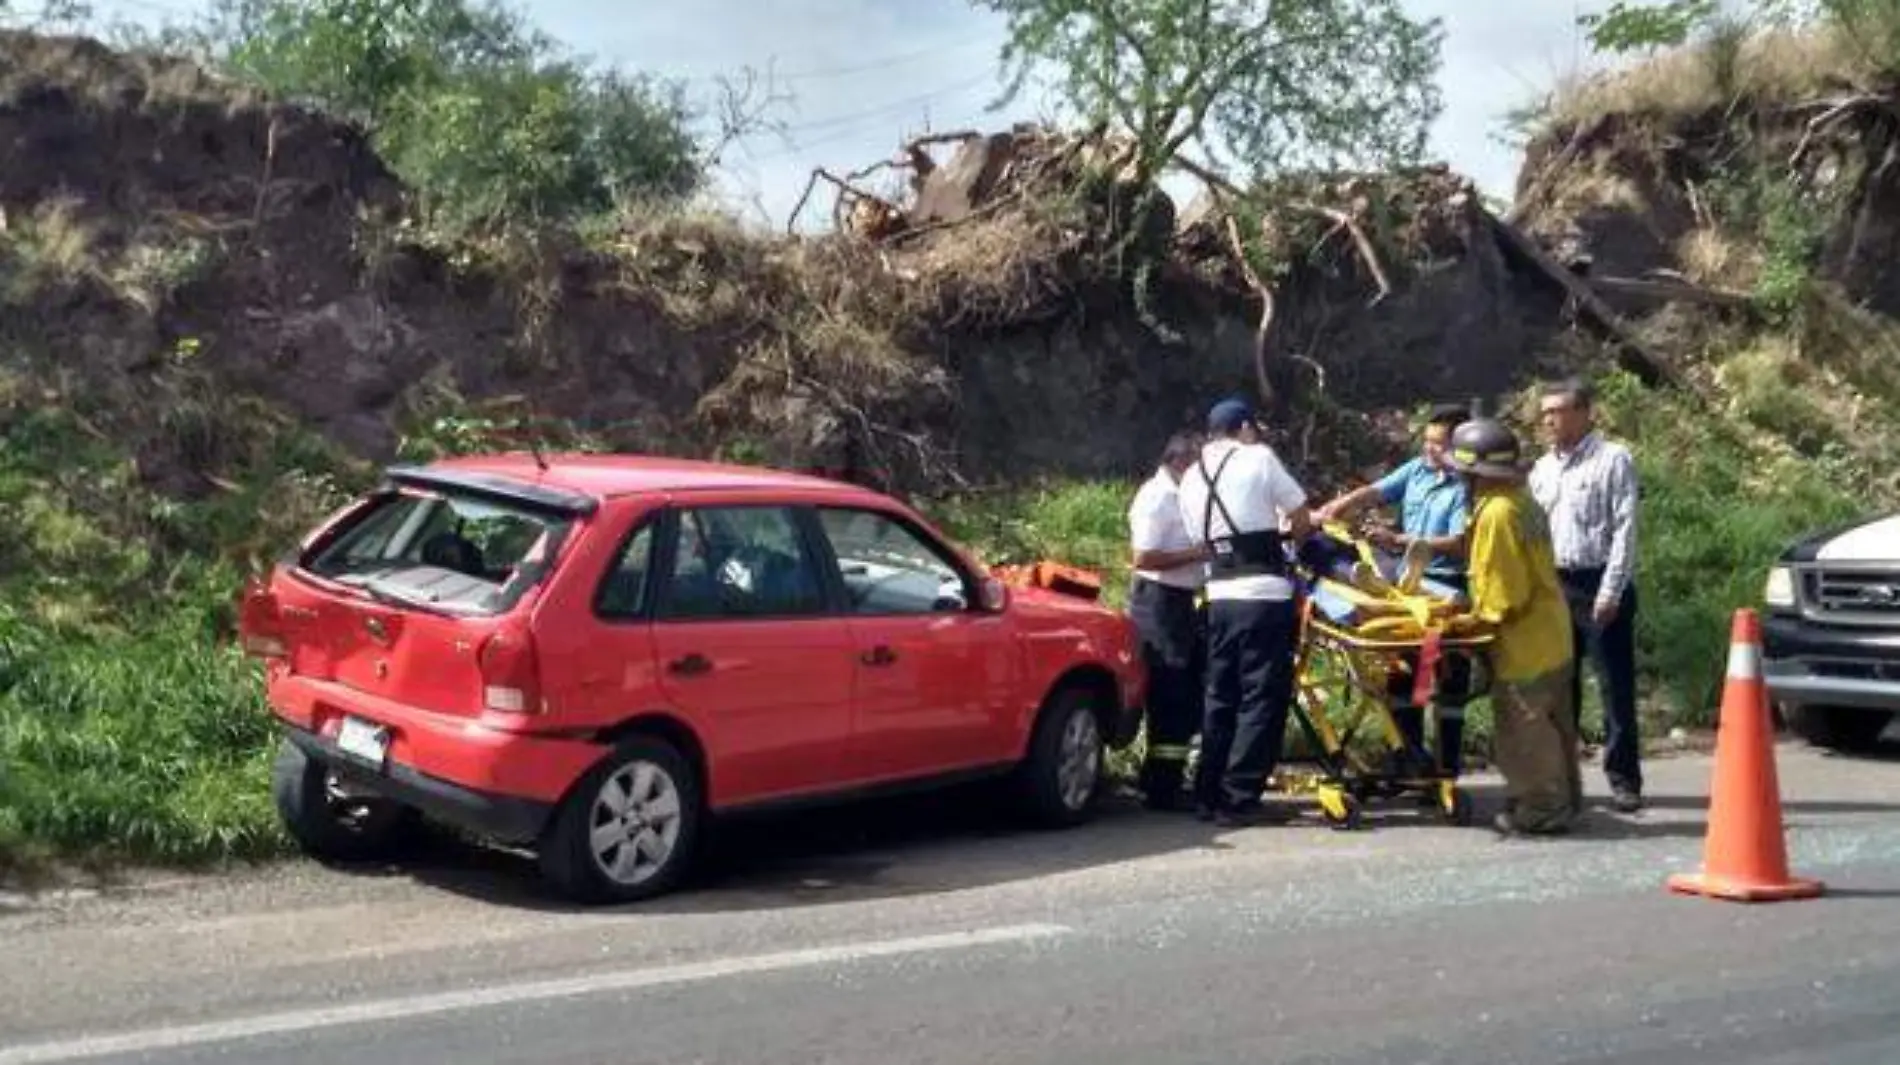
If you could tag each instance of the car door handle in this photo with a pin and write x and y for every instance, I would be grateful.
(881, 655)
(691, 665)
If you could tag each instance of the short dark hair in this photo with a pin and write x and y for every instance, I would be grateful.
(1449, 415)
(1575, 389)
(1181, 447)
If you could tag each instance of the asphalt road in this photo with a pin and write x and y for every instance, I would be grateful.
(931, 932)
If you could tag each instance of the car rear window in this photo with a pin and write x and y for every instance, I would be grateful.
(444, 551)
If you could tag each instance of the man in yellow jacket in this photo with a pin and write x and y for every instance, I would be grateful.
(1515, 588)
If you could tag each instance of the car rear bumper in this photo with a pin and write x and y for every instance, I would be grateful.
(505, 818)
(1815, 665)
(464, 770)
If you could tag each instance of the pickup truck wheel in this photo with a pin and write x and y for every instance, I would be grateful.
(1837, 728)
(329, 822)
(630, 829)
(1062, 776)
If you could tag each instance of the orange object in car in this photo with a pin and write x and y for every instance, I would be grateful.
(1053, 576)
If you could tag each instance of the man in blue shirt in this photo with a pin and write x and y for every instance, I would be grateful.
(1433, 510)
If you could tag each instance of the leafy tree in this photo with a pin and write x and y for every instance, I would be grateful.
(538, 143)
(1628, 27)
(365, 59)
(484, 117)
(1638, 27)
(1252, 88)
(1258, 85)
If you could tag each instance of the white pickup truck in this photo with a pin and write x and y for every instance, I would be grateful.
(1831, 634)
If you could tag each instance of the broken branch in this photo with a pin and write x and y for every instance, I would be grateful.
(865, 172)
(845, 188)
(940, 138)
(264, 181)
(1671, 289)
(983, 211)
(1651, 368)
(1263, 331)
(1216, 184)
(1819, 123)
(1367, 253)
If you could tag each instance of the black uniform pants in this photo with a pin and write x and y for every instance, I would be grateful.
(1249, 684)
(1612, 648)
(1174, 647)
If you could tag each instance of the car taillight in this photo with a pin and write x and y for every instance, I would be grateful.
(261, 624)
(511, 676)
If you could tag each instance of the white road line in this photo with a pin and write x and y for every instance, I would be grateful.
(191, 1035)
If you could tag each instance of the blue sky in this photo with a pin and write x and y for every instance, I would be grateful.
(867, 72)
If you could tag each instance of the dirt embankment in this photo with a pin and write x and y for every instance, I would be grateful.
(185, 262)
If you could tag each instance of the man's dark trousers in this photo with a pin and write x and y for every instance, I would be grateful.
(1249, 684)
(1174, 646)
(1451, 688)
(1613, 650)
(1451, 694)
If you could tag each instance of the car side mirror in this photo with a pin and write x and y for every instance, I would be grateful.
(992, 595)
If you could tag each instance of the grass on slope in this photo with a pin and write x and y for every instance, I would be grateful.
(1729, 64)
(129, 726)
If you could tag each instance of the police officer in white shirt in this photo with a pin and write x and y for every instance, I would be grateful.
(1169, 571)
(1241, 503)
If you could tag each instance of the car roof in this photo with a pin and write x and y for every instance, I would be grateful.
(605, 476)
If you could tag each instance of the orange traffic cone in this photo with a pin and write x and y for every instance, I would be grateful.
(1745, 855)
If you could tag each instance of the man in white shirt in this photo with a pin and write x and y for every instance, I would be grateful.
(1169, 571)
(1240, 502)
(1587, 486)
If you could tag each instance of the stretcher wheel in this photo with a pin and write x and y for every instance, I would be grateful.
(1341, 810)
(1457, 807)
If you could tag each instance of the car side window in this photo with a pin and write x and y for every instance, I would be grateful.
(889, 569)
(623, 594)
(741, 562)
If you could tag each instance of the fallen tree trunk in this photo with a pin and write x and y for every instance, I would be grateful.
(1632, 355)
(1658, 289)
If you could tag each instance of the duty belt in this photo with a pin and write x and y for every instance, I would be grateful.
(1260, 553)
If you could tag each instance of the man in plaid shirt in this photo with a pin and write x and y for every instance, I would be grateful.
(1587, 485)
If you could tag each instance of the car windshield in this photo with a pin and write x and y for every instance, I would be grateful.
(447, 552)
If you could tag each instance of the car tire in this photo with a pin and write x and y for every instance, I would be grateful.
(1061, 778)
(629, 830)
(329, 824)
(1836, 728)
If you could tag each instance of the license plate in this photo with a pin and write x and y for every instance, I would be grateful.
(361, 739)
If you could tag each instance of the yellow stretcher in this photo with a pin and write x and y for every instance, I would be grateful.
(1341, 684)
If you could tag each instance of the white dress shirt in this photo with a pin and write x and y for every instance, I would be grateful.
(1589, 493)
(1154, 524)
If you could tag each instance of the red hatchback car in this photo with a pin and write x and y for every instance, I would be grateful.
(590, 656)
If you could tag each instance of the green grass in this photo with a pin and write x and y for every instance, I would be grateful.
(1081, 523)
(129, 725)
(151, 746)
(1720, 502)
